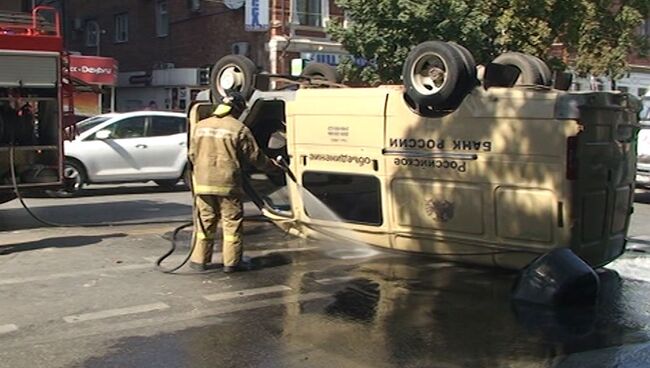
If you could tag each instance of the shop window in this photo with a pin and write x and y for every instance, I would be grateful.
(311, 13)
(121, 27)
(353, 198)
(162, 19)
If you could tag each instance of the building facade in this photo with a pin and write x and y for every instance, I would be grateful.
(165, 47)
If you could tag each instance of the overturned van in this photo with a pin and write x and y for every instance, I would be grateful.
(496, 172)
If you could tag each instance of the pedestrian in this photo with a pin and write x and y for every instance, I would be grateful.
(219, 148)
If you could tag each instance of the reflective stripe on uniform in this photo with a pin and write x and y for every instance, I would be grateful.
(231, 238)
(203, 236)
(212, 189)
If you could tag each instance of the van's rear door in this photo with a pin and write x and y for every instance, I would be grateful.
(601, 164)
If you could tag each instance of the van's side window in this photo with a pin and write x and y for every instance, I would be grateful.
(353, 198)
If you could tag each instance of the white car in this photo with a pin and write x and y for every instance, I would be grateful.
(130, 147)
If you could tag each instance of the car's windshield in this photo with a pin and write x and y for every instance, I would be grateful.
(90, 123)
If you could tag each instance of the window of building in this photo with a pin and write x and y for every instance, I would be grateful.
(623, 89)
(92, 33)
(642, 92)
(312, 13)
(121, 27)
(162, 19)
(338, 191)
(194, 5)
(644, 28)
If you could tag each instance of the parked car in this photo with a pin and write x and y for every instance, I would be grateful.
(643, 151)
(130, 147)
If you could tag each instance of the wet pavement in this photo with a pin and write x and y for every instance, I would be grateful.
(98, 303)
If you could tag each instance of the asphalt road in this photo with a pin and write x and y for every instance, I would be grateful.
(89, 297)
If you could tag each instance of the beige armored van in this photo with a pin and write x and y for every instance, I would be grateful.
(493, 172)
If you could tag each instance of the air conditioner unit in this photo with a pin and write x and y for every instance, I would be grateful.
(240, 48)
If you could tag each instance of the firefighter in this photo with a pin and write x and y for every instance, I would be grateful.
(219, 147)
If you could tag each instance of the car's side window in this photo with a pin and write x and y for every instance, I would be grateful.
(128, 128)
(165, 125)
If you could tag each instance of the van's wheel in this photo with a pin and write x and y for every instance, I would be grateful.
(74, 179)
(232, 72)
(432, 73)
(322, 71)
(532, 72)
(547, 75)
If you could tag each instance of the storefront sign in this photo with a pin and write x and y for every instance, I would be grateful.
(257, 15)
(94, 70)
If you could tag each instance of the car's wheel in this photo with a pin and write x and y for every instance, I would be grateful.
(532, 72)
(322, 71)
(167, 184)
(432, 73)
(74, 179)
(232, 72)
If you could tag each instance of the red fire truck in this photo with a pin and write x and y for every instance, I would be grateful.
(35, 100)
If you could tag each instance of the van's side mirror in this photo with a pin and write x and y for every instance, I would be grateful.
(103, 134)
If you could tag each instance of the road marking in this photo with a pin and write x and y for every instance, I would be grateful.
(246, 292)
(54, 276)
(115, 312)
(194, 318)
(335, 280)
(8, 328)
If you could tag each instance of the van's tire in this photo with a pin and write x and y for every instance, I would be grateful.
(468, 59)
(232, 72)
(322, 71)
(531, 71)
(74, 179)
(432, 74)
(547, 75)
(468, 81)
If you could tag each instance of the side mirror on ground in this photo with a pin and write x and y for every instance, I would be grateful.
(103, 134)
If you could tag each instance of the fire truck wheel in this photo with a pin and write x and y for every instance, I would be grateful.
(323, 72)
(232, 72)
(532, 72)
(433, 71)
(74, 178)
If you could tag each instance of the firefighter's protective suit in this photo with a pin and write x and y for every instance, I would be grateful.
(219, 145)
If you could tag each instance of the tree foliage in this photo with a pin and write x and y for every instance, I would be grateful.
(598, 34)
